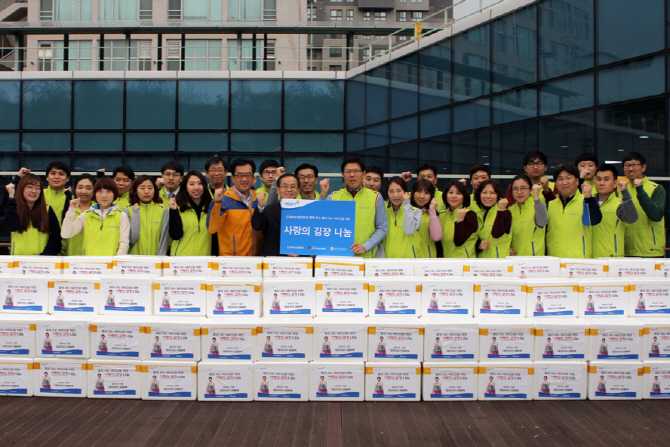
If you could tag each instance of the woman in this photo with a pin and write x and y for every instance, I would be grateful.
(325, 347)
(495, 221)
(47, 345)
(165, 302)
(34, 226)
(59, 299)
(188, 217)
(529, 218)
(267, 217)
(430, 230)
(437, 347)
(265, 386)
(655, 347)
(539, 307)
(267, 347)
(602, 387)
(106, 228)
(110, 300)
(157, 347)
(549, 347)
(603, 349)
(544, 386)
(99, 383)
(381, 304)
(402, 239)
(493, 349)
(459, 224)
(154, 387)
(214, 347)
(656, 385)
(381, 346)
(323, 386)
(379, 386)
(148, 219)
(276, 305)
(102, 345)
(437, 387)
(9, 298)
(210, 386)
(328, 301)
(218, 306)
(46, 382)
(83, 190)
(491, 386)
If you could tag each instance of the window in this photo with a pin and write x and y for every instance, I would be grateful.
(350, 14)
(194, 10)
(402, 16)
(380, 16)
(117, 56)
(66, 10)
(500, 36)
(335, 14)
(417, 16)
(334, 68)
(366, 36)
(109, 10)
(311, 13)
(366, 16)
(199, 54)
(241, 54)
(417, 1)
(336, 52)
(251, 9)
(365, 53)
(525, 43)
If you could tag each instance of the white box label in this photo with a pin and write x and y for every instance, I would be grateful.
(115, 380)
(60, 378)
(396, 343)
(341, 343)
(651, 299)
(170, 381)
(289, 300)
(500, 299)
(181, 297)
(563, 344)
(348, 298)
(283, 383)
(505, 383)
(452, 343)
(286, 342)
(395, 383)
(616, 381)
(125, 297)
(74, 297)
(553, 300)
(231, 344)
(118, 341)
(172, 343)
(450, 298)
(226, 383)
(15, 339)
(451, 383)
(14, 378)
(338, 381)
(509, 343)
(560, 382)
(24, 295)
(62, 339)
(233, 299)
(619, 344)
(604, 300)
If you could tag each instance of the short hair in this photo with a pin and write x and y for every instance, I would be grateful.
(215, 161)
(375, 170)
(523, 177)
(496, 188)
(268, 164)
(480, 167)
(608, 167)
(124, 169)
(532, 155)
(307, 166)
(287, 174)
(634, 156)
(242, 162)
(586, 156)
(427, 167)
(182, 198)
(422, 185)
(569, 168)
(460, 187)
(105, 183)
(83, 177)
(174, 165)
(134, 198)
(398, 181)
(355, 160)
(60, 165)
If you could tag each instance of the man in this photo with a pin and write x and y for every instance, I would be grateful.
(608, 237)
(535, 165)
(123, 176)
(309, 177)
(646, 237)
(268, 171)
(371, 224)
(171, 174)
(427, 171)
(571, 216)
(216, 170)
(373, 178)
(587, 163)
(267, 219)
(230, 213)
(478, 173)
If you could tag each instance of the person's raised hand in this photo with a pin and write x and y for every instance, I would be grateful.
(172, 203)
(218, 195)
(11, 190)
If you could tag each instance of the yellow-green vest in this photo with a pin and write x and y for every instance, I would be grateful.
(75, 246)
(151, 224)
(427, 248)
(366, 205)
(196, 240)
(527, 238)
(645, 237)
(498, 248)
(398, 244)
(567, 236)
(608, 235)
(31, 242)
(467, 250)
(101, 238)
(441, 207)
(123, 201)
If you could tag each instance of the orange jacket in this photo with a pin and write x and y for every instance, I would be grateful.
(230, 220)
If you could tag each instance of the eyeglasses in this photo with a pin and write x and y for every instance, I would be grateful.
(216, 171)
(124, 180)
(520, 188)
(267, 171)
(243, 176)
(288, 187)
(309, 176)
(535, 163)
(352, 171)
(631, 165)
(171, 174)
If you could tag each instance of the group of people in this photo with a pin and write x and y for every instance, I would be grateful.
(586, 211)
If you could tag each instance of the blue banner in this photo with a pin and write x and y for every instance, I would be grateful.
(24, 391)
(127, 308)
(172, 356)
(226, 396)
(30, 308)
(456, 356)
(337, 356)
(450, 311)
(617, 357)
(389, 312)
(609, 312)
(506, 396)
(65, 352)
(230, 357)
(561, 395)
(351, 310)
(290, 356)
(394, 356)
(350, 394)
(510, 311)
(234, 312)
(280, 396)
(510, 356)
(68, 391)
(115, 393)
(624, 394)
(179, 394)
(317, 227)
(452, 396)
(567, 356)
(24, 351)
(73, 309)
(657, 311)
(291, 312)
(394, 396)
(551, 314)
(118, 354)
(185, 309)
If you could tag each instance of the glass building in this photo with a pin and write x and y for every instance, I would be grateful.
(560, 76)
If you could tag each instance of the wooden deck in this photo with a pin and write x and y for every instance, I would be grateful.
(97, 422)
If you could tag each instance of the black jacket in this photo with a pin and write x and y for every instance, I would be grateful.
(269, 222)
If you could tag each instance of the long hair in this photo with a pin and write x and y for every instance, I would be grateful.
(134, 198)
(38, 216)
(183, 201)
(496, 188)
(422, 185)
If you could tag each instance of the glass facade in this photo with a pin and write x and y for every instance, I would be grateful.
(560, 76)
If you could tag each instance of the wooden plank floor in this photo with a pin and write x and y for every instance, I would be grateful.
(71, 422)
